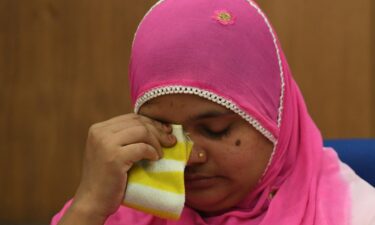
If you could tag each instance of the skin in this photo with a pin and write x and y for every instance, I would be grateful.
(235, 156)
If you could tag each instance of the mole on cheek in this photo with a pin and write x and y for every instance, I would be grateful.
(238, 142)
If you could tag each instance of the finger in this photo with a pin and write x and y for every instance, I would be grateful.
(115, 120)
(133, 153)
(116, 124)
(117, 127)
(163, 134)
(165, 139)
(138, 134)
(164, 127)
(161, 131)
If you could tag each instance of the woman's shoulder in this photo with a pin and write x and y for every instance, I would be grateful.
(362, 197)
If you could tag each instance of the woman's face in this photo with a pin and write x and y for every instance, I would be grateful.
(228, 157)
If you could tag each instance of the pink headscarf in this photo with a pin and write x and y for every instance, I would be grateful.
(226, 51)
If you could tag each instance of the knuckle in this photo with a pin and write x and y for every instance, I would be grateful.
(158, 125)
(137, 123)
(142, 147)
(94, 134)
(143, 131)
(93, 128)
(100, 139)
(105, 140)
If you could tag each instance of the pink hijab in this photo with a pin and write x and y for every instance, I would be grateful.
(226, 51)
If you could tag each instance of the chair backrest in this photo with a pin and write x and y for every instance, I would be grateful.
(359, 154)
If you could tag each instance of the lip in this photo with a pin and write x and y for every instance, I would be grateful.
(200, 181)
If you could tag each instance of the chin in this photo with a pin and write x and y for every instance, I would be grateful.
(208, 211)
(210, 205)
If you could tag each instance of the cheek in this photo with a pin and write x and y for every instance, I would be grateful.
(233, 158)
(243, 157)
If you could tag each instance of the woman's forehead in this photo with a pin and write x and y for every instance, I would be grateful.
(182, 107)
(184, 101)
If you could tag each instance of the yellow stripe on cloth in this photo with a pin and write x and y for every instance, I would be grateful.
(158, 187)
(171, 153)
(162, 214)
(157, 180)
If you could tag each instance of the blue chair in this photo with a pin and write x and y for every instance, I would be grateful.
(359, 154)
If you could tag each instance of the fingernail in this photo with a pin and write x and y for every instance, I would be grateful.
(167, 127)
(171, 137)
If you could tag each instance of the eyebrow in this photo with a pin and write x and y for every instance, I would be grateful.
(209, 115)
(201, 116)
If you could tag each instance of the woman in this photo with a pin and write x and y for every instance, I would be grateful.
(217, 68)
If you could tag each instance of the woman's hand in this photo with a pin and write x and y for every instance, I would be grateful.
(112, 147)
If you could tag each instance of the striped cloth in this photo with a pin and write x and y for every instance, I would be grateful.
(158, 187)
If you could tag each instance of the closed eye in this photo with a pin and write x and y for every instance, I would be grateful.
(216, 134)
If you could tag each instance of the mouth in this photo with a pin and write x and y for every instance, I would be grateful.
(196, 181)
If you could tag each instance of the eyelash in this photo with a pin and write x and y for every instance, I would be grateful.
(216, 134)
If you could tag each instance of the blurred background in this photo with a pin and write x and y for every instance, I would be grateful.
(63, 67)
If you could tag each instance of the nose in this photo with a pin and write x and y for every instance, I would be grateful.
(197, 156)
